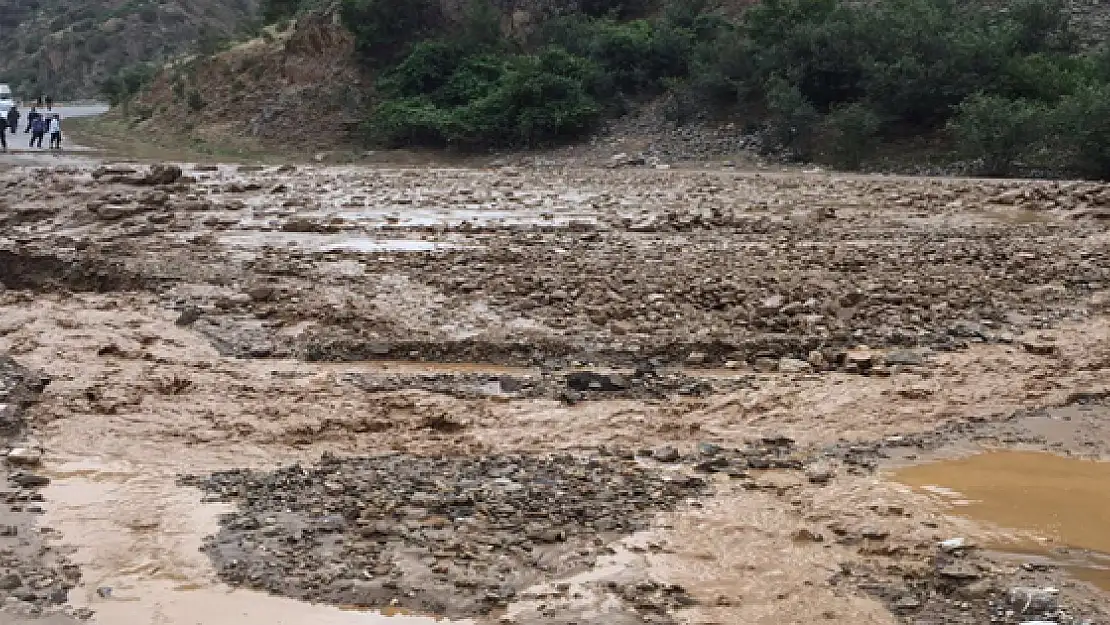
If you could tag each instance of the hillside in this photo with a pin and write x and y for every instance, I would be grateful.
(1019, 87)
(68, 47)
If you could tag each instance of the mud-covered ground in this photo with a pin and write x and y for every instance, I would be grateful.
(545, 395)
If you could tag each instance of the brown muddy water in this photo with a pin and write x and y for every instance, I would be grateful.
(1062, 503)
(137, 536)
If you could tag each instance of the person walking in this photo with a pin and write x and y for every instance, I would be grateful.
(56, 132)
(31, 117)
(38, 129)
(13, 119)
(3, 131)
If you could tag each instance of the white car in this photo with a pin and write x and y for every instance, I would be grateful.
(6, 99)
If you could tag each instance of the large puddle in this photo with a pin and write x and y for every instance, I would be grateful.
(1063, 501)
(137, 535)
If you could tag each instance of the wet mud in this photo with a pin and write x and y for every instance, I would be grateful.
(548, 395)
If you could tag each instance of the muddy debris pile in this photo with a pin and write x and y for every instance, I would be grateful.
(447, 536)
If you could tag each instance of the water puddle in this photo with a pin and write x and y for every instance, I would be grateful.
(137, 535)
(332, 243)
(454, 218)
(1064, 501)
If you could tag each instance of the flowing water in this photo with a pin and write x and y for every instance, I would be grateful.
(137, 537)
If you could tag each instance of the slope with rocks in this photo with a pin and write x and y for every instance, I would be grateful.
(68, 48)
(295, 87)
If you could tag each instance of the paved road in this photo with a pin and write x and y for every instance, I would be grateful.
(17, 143)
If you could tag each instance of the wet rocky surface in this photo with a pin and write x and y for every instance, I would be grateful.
(543, 394)
(449, 536)
(34, 579)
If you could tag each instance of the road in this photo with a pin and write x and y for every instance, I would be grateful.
(17, 144)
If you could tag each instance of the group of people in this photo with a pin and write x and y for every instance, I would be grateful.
(39, 126)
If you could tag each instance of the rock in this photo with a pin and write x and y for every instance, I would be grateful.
(793, 365)
(25, 456)
(666, 454)
(379, 349)
(697, 358)
(113, 212)
(771, 305)
(302, 224)
(708, 449)
(953, 544)
(10, 582)
(592, 381)
(960, 571)
(874, 533)
(907, 603)
(904, 357)
(819, 473)
(805, 535)
(1039, 348)
(1030, 601)
(240, 299)
(861, 357)
(188, 317)
(29, 480)
(260, 293)
(162, 174)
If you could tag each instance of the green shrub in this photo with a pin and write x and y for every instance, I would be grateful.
(385, 29)
(436, 98)
(127, 82)
(1081, 127)
(998, 132)
(273, 11)
(850, 132)
(195, 101)
(635, 57)
(792, 119)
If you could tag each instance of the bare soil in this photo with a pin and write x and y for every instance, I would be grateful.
(546, 394)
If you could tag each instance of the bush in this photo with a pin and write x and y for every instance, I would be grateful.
(635, 57)
(195, 101)
(126, 83)
(998, 132)
(435, 98)
(792, 119)
(851, 133)
(1081, 131)
(273, 11)
(385, 29)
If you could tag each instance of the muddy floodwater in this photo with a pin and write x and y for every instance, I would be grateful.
(548, 394)
(1063, 501)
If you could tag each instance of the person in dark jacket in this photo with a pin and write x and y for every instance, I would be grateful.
(3, 131)
(38, 131)
(31, 117)
(13, 119)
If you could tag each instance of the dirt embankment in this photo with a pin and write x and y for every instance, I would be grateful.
(547, 395)
(298, 90)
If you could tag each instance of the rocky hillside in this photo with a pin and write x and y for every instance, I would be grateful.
(68, 47)
(298, 87)
(308, 82)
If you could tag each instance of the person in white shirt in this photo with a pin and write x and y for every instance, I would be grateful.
(56, 132)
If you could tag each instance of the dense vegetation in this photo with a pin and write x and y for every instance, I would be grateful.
(835, 81)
